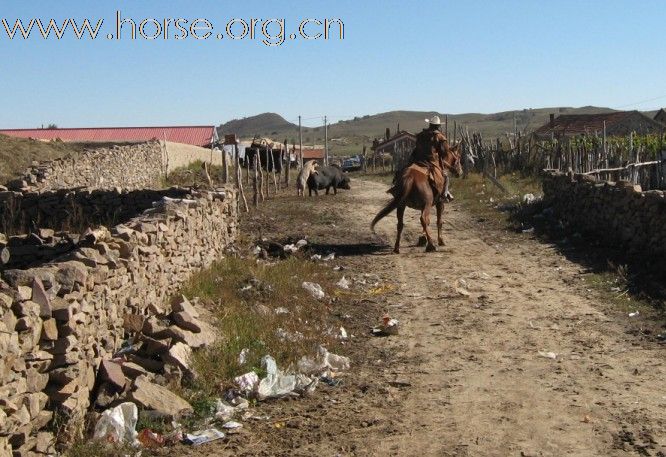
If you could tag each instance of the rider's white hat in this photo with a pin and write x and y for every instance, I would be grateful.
(434, 121)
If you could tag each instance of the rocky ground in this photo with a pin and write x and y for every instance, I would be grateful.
(505, 348)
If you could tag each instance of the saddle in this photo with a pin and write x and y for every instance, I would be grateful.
(436, 177)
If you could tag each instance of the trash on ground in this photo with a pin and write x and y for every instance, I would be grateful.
(343, 333)
(315, 290)
(389, 326)
(118, 425)
(301, 243)
(150, 439)
(232, 425)
(329, 257)
(224, 411)
(277, 384)
(290, 248)
(323, 363)
(242, 357)
(528, 199)
(548, 355)
(203, 437)
(343, 283)
(634, 314)
(330, 381)
(529, 230)
(248, 382)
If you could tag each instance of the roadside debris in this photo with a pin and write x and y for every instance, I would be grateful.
(548, 355)
(634, 314)
(388, 327)
(203, 437)
(150, 439)
(315, 290)
(118, 425)
(343, 283)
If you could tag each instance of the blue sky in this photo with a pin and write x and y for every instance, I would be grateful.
(447, 56)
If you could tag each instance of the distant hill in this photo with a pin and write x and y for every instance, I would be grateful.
(266, 124)
(349, 136)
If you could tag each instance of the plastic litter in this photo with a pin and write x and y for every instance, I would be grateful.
(343, 283)
(329, 257)
(389, 327)
(343, 333)
(203, 437)
(528, 199)
(548, 355)
(301, 243)
(232, 425)
(315, 290)
(281, 310)
(248, 382)
(224, 411)
(529, 230)
(242, 357)
(323, 363)
(150, 439)
(634, 314)
(276, 383)
(291, 248)
(118, 425)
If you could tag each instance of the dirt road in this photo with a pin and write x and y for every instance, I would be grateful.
(503, 351)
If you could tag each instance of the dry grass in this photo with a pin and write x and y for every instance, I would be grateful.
(247, 318)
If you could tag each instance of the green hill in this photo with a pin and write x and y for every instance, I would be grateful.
(349, 136)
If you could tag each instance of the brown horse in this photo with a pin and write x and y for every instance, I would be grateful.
(414, 190)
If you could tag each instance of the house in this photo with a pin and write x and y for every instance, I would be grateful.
(661, 116)
(202, 136)
(618, 123)
(399, 147)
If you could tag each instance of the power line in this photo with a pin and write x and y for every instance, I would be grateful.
(642, 101)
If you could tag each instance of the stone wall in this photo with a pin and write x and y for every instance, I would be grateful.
(618, 213)
(58, 322)
(131, 166)
(75, 209)
(181, 155)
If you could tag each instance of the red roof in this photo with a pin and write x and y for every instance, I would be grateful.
(313, 154)
(197, 136)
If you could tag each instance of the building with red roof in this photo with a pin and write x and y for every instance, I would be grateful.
(202, 136)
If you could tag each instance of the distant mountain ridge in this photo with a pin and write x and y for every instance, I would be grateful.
(349, 136)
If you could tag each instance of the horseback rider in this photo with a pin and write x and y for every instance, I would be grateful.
(431, 146)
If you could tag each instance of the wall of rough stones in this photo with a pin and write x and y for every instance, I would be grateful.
(130, 166)
(618, 213)
(59, 321)
(75, 209)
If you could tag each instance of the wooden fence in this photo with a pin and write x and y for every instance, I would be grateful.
(638, 159)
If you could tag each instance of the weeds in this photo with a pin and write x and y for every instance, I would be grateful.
(262, 308)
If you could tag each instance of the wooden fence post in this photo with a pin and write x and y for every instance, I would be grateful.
(255, 198)
(239, 180)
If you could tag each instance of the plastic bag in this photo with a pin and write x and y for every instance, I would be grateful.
(315, 290)
(118, 425)
(276, 383)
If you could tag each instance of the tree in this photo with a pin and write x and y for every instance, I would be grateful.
(52, 127)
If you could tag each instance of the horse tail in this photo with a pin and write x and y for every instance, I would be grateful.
(401, 193)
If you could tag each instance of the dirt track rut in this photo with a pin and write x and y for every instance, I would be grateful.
(477, 314)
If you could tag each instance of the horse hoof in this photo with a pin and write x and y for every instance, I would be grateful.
(396, 251)
(431, 248)
(422, 241)
(441, 243)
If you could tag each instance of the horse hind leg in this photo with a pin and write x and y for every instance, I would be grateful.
(400, 212)
(425, 222)
(440, 222)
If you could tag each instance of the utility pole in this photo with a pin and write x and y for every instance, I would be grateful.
(300, 142)
(325, 141)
